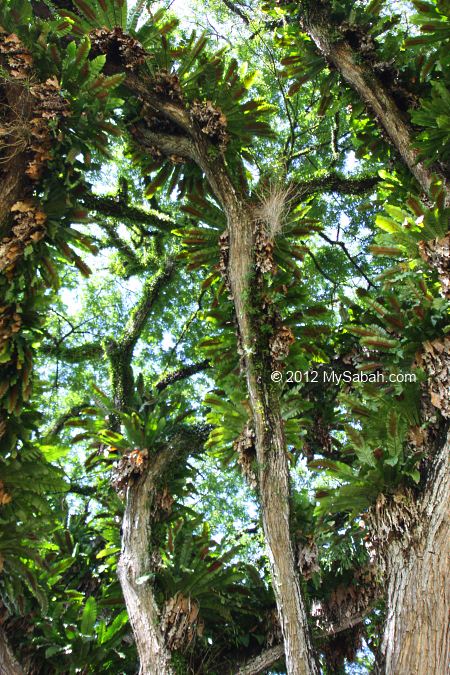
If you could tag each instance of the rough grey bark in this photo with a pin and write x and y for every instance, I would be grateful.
(416, 640)
(416, 637)
(135, 570)
(263, 661)
(8, 663)
(372, 92)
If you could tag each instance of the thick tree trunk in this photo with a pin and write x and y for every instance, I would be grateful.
(135, 571)
(14, 161)
(8, 664)
(416, 638)
(371, 91)
(273, 470)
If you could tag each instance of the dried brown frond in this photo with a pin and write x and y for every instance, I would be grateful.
(128, 470)
(180, 621)
(434, 359)
(16, 57)
(28, 229)
(280, 343)
(167, 86)
(244, 445)
(212, 122)
(120, 49)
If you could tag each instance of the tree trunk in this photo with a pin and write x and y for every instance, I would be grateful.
(416, 638)
(8, 664)
(135, 564)
(14, 161)
(273, 469)
(372, 92)
(412, 538)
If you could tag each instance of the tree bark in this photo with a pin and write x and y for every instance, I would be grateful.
(8, 664)
(271, 455)
(273, 469)
(372, 92)
(416, 638)
(135, 564)
(13, 180)
(263, 661)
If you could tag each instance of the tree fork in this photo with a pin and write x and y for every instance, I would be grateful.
(136, 541)
(270, 441)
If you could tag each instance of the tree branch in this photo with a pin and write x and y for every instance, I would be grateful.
(267, 658)
(236, 10)
(319, 267)
(141, 311)
(90, 351)
(167, 143)
(349, 256)
(120, 352)
(111, 207)
(175, 112)
(121, 245)
(316, 21)
(182, 374)
(263, 661)
(74, 411)
(334, 182)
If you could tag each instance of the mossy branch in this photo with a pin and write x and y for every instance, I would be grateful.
(333, 182)
(120, 352)
(89, 351)
(113, 208)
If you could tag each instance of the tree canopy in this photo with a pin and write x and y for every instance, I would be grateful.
(224, 351)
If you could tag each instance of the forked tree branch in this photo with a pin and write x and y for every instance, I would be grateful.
(120, 351)
(269, 657)
(349, 256)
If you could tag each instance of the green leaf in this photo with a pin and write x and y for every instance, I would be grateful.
(88, 617)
